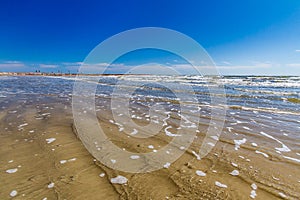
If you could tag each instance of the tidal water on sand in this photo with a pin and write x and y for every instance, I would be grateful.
(256, 156)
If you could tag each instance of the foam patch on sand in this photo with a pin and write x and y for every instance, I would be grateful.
(63, 161)
(13, 193)
(167, 165)
(235, 173)
(221, 185)
(134, 157)
(253, 194)
(113, 161)
(253, 191)
(238, 143)
(254, 144)
(50, 140)
(11, 171)
(50, 185)
(119, 180)
(254, 186)
(200, 173)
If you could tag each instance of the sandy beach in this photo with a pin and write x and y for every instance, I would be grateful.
(42, 158)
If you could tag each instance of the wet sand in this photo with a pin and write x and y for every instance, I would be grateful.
(42, 158)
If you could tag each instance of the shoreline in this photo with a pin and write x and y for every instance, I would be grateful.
(76, 74)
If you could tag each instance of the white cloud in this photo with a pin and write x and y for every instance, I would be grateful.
(11, 64)
(254, 65)
(293, 65)
(297, 50)
(226, 63)
(48, 66)
(72, 63)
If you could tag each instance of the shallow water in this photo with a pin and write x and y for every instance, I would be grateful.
(260, 138)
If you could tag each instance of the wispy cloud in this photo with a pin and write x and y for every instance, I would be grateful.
(12, 64)
(293, 65)
(254, 65)
(47, 66)
(72, 63)
(226, 63)
(297, 50)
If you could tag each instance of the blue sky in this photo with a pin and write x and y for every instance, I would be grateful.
(242, 37)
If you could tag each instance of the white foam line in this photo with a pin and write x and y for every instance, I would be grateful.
(262, 153)
(211, 144)
(185, 119)
(165, 120)
(168, 133)
(229, 129)
(134, 132)
(284, 148)
(20, 126)
(282, 195)
(121, 128)
(293, 159)
(221, 185)
(247, 128)
(254, 144)
(72, 159)
(269, 110)
(215, 137)
(190, 126)
(197, 155)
